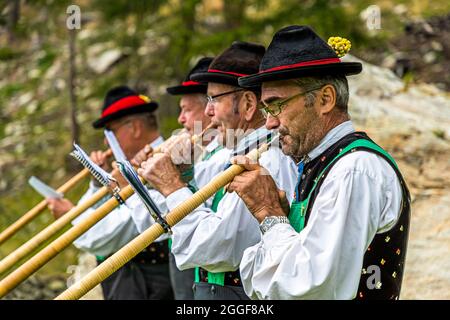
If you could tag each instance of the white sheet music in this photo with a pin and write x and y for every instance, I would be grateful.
(119, 155)
(43, 189)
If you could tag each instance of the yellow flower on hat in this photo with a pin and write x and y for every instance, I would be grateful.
(145, 98)
(340, 45)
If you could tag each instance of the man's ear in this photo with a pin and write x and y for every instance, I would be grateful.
(250, 105)
(327, 99)
(136, 127)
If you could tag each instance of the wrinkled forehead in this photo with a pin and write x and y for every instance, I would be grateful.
(193, 100)
(277, 89)
(215, 88)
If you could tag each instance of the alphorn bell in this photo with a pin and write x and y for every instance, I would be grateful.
(130, 250)
(33, 213)
(42, 257)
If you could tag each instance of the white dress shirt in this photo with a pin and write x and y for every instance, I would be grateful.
(216, 241)
(117, 228)
(204, 171)
(360, 196)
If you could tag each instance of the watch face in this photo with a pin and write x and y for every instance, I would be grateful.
(267, 223)
(270, 221)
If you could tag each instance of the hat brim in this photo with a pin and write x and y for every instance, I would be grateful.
(216, 78)
(148, 107)
(179, 90)
(341, 68)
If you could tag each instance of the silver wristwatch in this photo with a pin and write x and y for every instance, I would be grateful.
(270, 221)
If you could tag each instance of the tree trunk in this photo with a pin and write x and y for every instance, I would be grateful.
(13, 18)
(233, 12)
(188, 22)
(72, 86)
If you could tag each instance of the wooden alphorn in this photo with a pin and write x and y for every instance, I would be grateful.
(32, 244)
(130, 250)
(33, 213)
(62, 242)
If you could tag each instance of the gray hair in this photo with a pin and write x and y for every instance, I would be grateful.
(339, 83)
(201, 99)
(148, 118)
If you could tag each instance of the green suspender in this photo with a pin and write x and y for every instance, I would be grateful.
(217, 278)
(192, 185)
(214, 277)
(298, 209)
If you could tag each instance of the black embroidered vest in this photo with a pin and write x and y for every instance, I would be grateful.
(387, 251)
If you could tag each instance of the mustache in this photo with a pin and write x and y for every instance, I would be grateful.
(283, 131)
(213, 125)
(216, 123)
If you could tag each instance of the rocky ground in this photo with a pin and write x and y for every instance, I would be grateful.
(86, 263)
(38, 288)
(420, 53)
(427, 172)
(413, 124)
(47, 287)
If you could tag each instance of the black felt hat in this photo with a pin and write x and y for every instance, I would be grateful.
(123, 101)
(190, 86)
(297, 51)
(240, 59)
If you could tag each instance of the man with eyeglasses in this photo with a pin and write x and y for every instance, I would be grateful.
(192, 107)
(213, 239)
(193, 118)
(131, 117)
(345, 235)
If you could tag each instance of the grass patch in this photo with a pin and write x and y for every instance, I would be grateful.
(168, 125)
(47, 60)
(10, 90)
(7, 54)
(439, 133)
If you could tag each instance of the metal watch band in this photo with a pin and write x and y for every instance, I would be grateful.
(270, 221)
